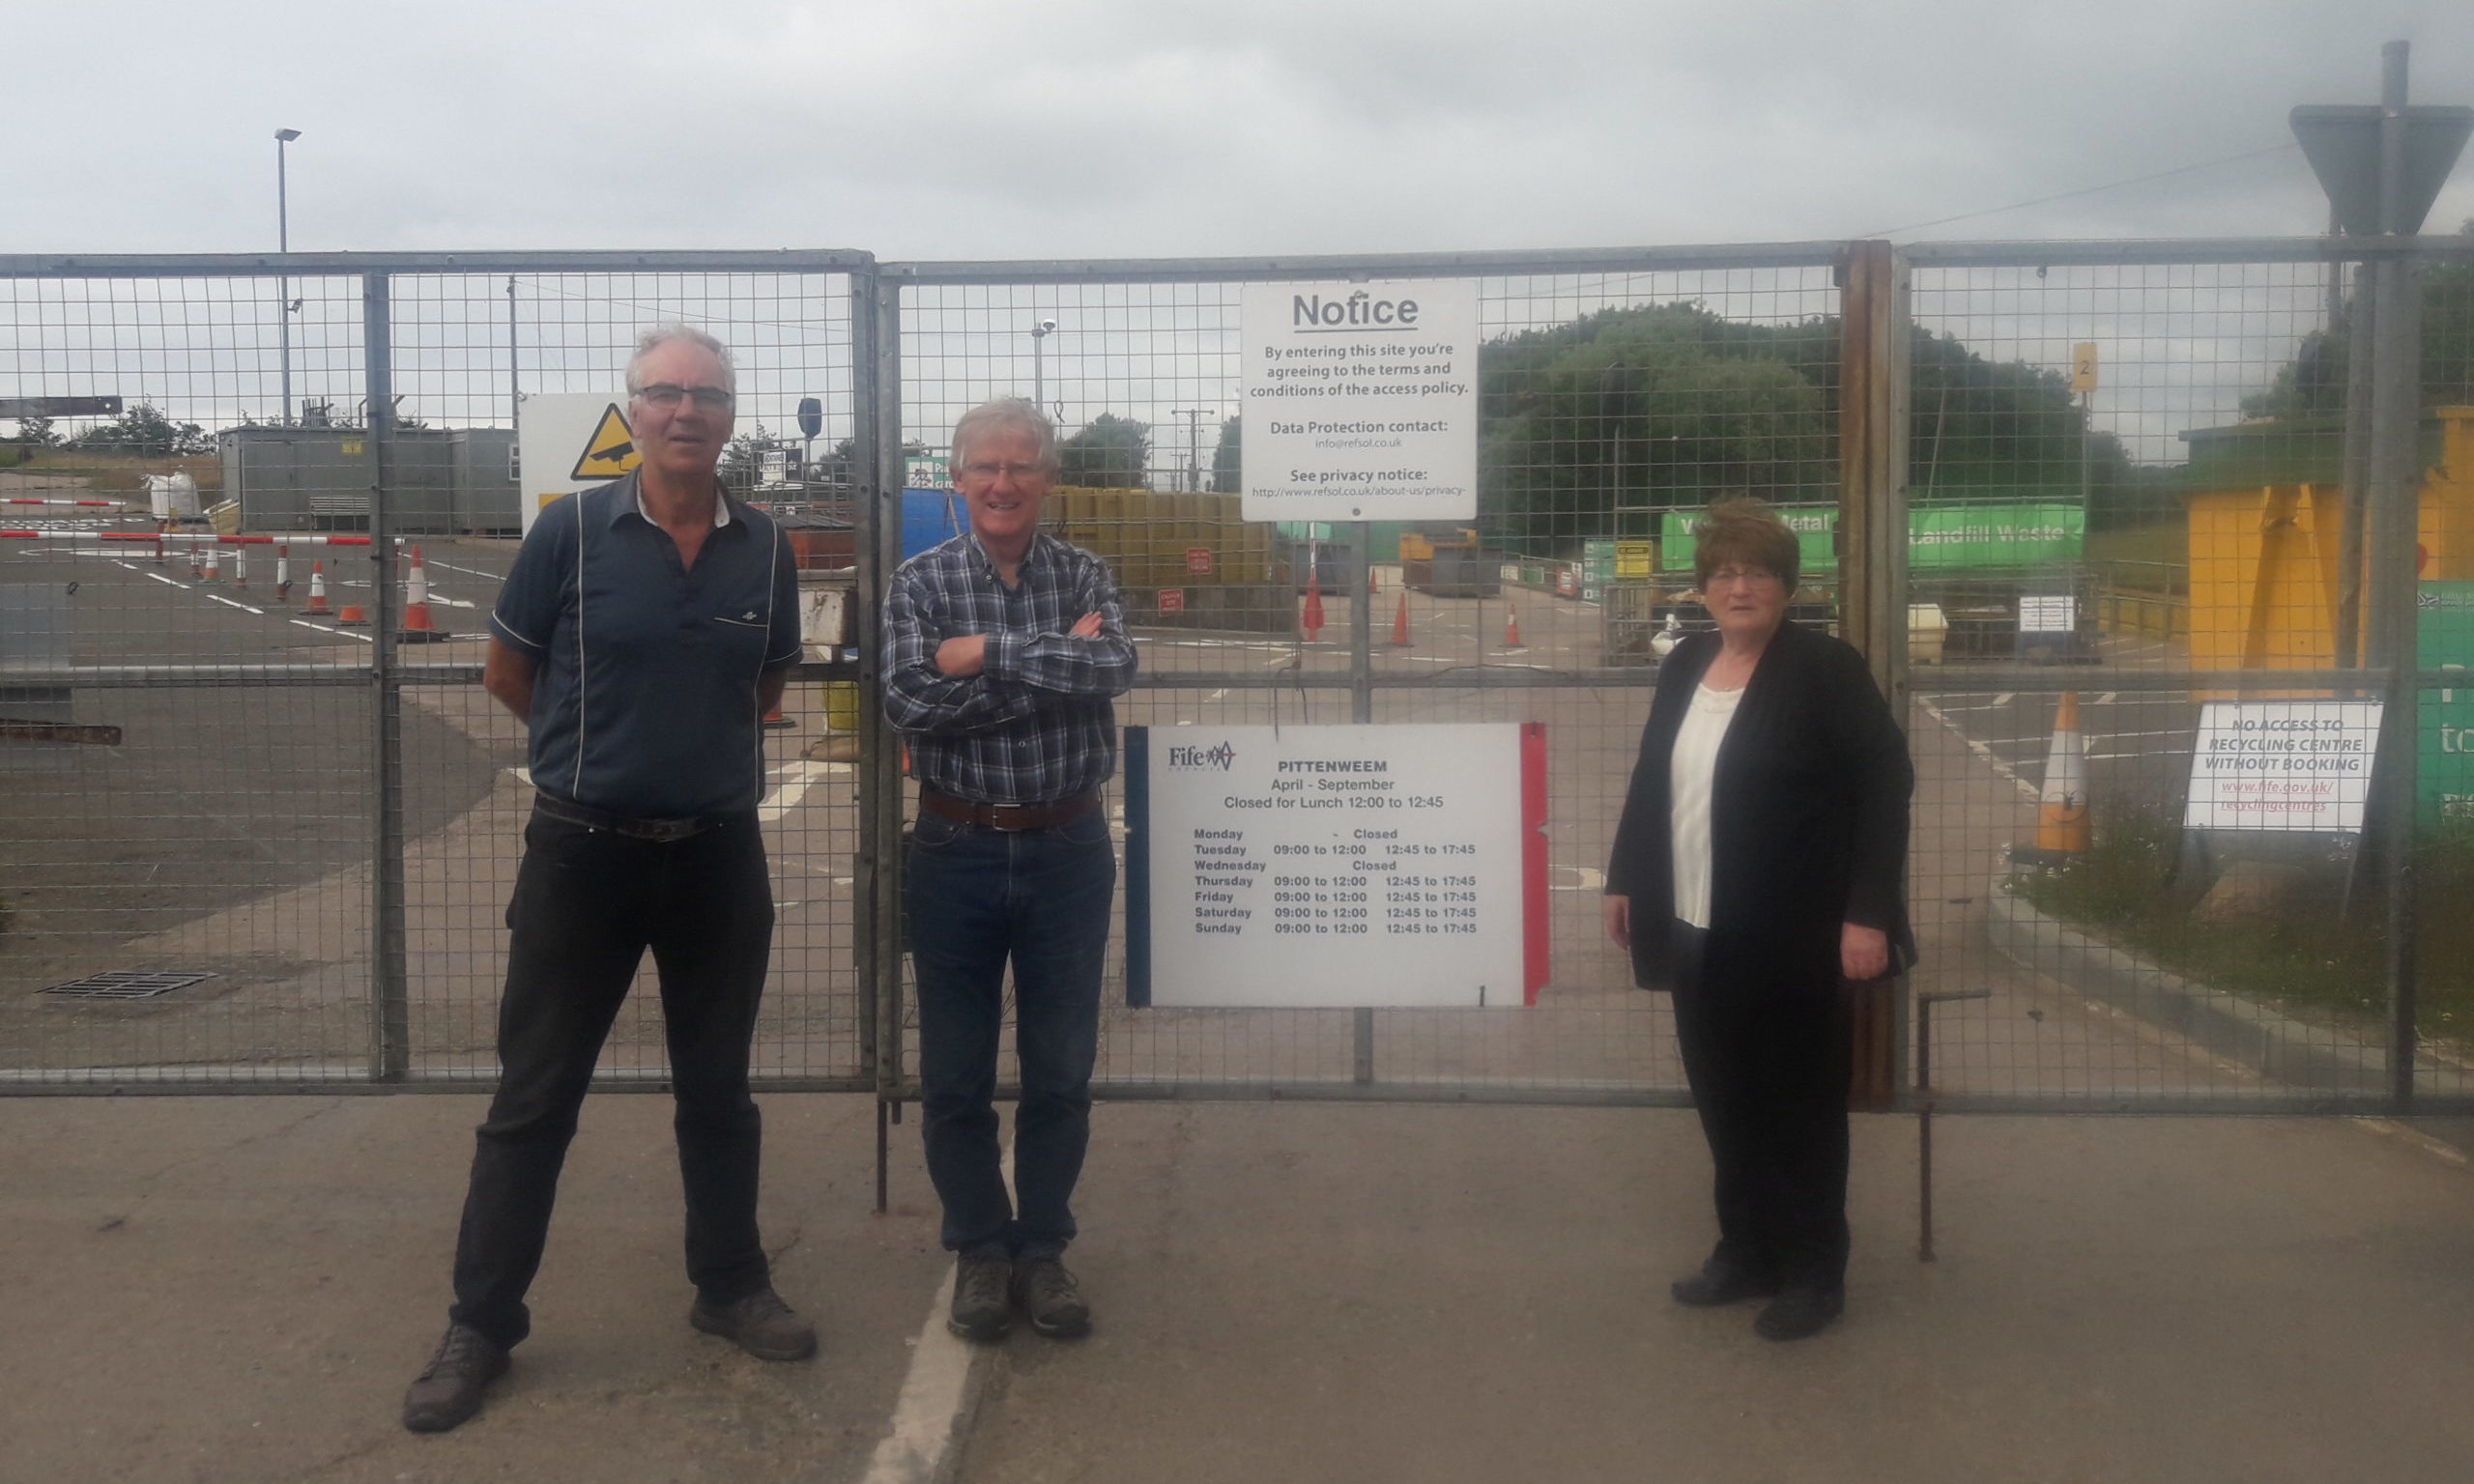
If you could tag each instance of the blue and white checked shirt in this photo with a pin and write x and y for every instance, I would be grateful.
(1035, 725)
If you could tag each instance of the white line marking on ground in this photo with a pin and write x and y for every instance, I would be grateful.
(2439, 1149)
(168, 582)
(1585, 878)
(1980, 750)
(228, 603)
(935, 1403)
(797, 778)
(2106, 699)
(2148, 752)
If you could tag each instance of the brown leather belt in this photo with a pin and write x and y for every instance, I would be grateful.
(1007, 816)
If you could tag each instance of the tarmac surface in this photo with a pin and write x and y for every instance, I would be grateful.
(236, 1289)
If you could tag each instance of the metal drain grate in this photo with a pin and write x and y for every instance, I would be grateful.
(118, 985)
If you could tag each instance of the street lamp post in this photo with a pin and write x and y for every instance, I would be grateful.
(1040, 332)
(283, 244)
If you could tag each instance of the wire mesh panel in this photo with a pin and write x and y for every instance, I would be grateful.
(2152, 638)
(184, 768)
(1611, 396)
(192, 753)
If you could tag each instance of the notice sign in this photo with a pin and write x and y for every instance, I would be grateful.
(2295, 766)
(1360, 400)
(566, 442)
(1335, 867)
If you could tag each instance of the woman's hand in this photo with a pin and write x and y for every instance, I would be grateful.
(1863, 953)
(1619, 921)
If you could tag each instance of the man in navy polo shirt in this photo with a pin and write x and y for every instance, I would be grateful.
(647, 628)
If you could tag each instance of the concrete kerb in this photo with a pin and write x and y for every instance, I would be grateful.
(2273, 1046)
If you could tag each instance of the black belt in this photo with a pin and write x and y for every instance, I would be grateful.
(662, 831)
(1008, 816)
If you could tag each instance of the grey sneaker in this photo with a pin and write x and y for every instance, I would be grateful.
(448, 1390)
(760, 1324)
(980, 1308)
(1051, 1299)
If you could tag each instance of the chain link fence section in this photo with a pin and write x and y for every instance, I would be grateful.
(1617, 391)
(2145, 698)
(213, 769)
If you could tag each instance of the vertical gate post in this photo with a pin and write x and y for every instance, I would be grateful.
(1362, 711)
(876, 329)
(1873, 409)
(389, 992)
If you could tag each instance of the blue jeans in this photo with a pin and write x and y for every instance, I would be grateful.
(974, 898)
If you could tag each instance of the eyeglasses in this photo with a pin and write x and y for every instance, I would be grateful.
(1018, 473)
(1742, 577)
(710, 399)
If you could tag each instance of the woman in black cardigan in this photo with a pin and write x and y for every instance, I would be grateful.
(1759, 863)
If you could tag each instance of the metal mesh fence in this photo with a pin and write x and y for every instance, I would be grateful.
(2146, 707)
(2186, 558)
(194, 773)
(1610, 396)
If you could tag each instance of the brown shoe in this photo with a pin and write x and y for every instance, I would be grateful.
(760, 1324)
(448, 1390)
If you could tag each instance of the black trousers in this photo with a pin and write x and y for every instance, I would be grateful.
(587, 903)
(1768, 1061)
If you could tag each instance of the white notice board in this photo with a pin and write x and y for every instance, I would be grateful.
(566, 442)
(1336, 866)
(2293, 765)
(1360, 400)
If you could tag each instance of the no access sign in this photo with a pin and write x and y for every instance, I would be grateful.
(1360, 400)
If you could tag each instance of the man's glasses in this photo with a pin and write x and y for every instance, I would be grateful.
(710, 399)
(1018, 473)
(1742, 577)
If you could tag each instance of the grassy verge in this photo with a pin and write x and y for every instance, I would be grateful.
(123, 474)
(2302, 956)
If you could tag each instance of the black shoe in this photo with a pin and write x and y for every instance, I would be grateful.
(1801, 1312)
(1720, 1284)
(448, 1390)
(980, 1310)
(760, 1324)
(1049, 1296)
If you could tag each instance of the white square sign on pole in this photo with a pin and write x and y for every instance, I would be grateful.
(1360, 400)
(2283, 765)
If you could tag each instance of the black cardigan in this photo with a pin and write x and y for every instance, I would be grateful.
(1808, 816)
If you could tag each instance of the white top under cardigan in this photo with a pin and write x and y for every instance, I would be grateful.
(1690, 770)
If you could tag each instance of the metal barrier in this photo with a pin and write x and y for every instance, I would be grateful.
(288, 865)
(325, 820)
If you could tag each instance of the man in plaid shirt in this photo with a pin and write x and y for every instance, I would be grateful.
(1002, 649)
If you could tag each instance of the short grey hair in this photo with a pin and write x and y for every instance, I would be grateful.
(659, 335)
(1006, 414)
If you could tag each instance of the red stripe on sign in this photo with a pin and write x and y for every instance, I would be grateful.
(1535, 938)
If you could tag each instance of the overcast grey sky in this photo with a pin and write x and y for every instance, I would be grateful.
(1109, 127)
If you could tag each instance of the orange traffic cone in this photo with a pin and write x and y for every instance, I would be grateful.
(2061, 809)
(419, 627)
(1312, 619)
(1512, 628)
(1401, 621)
(353, 617)
(213, 566)
(318, 591)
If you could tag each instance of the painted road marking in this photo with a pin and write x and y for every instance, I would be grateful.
(938, 1396)
(797, 779)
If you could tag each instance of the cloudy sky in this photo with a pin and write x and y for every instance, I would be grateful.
(1109, 127)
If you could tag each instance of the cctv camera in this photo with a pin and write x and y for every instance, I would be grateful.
(1046, 326)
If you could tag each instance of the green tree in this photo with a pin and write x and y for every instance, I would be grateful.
(1227, 477)
(1110, 453)
(37, 433)
(143, 429)
(2313, 381)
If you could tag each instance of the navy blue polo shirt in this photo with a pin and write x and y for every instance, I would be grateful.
(644, 700)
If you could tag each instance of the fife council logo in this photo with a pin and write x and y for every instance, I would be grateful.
(1223, 758)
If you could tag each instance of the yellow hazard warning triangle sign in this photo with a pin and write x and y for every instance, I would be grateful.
(610, 451)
